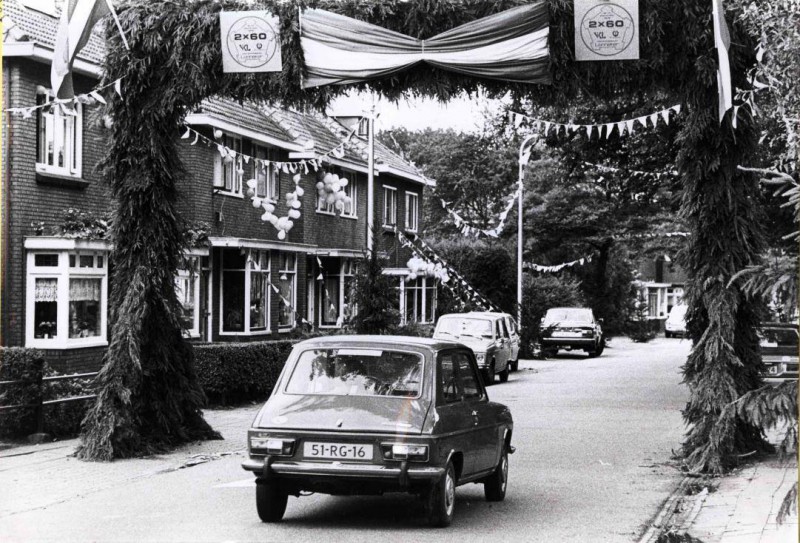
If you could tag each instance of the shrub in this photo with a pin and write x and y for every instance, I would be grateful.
(414, 329)
(232, 373)
(62, 419)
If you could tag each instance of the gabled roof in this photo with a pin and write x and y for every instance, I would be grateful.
(35, 26)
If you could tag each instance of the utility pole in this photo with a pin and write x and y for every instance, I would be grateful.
(523, 161)
(370, 176)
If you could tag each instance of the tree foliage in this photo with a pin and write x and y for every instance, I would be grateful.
(374, 296)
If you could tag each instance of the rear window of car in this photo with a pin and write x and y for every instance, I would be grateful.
(568, 314)
(357, 372)
(464, 326)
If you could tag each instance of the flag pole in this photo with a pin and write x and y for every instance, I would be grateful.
(116, 21)
(523, 160)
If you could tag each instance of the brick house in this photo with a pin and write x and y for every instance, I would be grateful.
(661, 286)
(245, 283)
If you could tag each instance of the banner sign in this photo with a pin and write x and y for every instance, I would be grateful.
(606, 29)
(250, 41)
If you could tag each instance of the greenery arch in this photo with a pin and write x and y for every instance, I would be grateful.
(149, 397)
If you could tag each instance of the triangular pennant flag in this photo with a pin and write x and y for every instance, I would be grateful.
(97, 96)
(665, 115)
(118, 87)
(735, 118)
(621, 127)
(609, 128)
(676, 109)
(654, 119)
(589, 128)
(517, 120)
(187, 133)
(629, 126)
(643, 121)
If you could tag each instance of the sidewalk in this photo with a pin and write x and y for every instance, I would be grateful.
(741, 509)
(37, 476)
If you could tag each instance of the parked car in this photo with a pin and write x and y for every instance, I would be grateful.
(486, 334)
(675, 325)
(571, 328)
(513, 334)
(375, 414)
(779, 349)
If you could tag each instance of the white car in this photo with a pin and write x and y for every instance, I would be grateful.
(676, 321)
(486, 334)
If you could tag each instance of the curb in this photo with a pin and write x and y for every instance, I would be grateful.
(662, 519)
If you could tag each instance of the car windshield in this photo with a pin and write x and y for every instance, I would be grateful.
(568, 314)
(465, 326)
(357, 372)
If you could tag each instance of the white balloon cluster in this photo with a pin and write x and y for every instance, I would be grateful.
(419, 267)
(331, 191)
(285, 223)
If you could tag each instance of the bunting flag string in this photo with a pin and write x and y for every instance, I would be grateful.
(287, 167)
(558, 267)
(90, 98)
(612, 169)
(427, 253)
(650, 235)
(321, 277)
(623, 127)
(276, 290)
(468, 229)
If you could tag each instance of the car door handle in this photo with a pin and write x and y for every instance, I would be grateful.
(474, 413)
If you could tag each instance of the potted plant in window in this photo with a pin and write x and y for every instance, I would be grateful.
(47, 328)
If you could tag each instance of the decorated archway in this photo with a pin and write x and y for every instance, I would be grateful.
(149, 397)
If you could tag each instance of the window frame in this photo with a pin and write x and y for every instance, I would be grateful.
(283, 328)
(73, 153)
(63, 273)
(272, 193)
(248, 270)
(192, 277)
(412, 226)
(392, 209)
(235, 143)
(424, 287)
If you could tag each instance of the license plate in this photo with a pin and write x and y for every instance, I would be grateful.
(566, 334)
(338, 451)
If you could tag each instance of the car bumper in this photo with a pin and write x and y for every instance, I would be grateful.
(781, 371)
(580, 342)
(270, 467)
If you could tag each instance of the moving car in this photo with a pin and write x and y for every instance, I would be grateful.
(676, 321)
(513, 334)
(779, 350)
(374, 414)
(486, 334)
(571, 328)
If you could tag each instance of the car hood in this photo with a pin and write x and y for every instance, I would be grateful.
(345, 413)
(475, 343)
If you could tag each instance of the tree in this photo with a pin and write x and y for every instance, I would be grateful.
(374, 297)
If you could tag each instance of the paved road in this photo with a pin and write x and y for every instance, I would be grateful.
(593, 437)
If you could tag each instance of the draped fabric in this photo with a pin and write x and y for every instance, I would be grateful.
(46, 290)
(510, 46)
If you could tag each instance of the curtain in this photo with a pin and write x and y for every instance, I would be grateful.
(84, 290)
(509, 46)
(46, 290)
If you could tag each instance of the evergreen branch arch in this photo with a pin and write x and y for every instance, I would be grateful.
(150, 398)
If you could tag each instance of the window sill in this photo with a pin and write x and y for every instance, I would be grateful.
(56, 345)
(221, 192)
(252, 333)
(60, 180)
(411, 230)
(286, 330)
(390, 228)
(333, 214)
(329, 326)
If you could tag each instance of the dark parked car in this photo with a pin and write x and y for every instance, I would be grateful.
(374, 414)
(571, 328)
(779, 349)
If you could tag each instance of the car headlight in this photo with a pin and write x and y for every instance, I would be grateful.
(480, 357)
(405, 451)
(265, 444)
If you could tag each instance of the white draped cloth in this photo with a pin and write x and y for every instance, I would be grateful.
(509, 46)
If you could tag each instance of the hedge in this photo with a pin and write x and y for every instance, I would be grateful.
(63, 419)
(232, 373)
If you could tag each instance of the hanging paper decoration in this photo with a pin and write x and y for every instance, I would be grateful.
(624, 126)
(558, 267)
(606, 168)
(330, 192)
(467, 229)
(67, 105)
(419, 267)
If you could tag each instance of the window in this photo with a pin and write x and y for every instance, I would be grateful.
(389, 206)
(60, 138)
(448, 379)
(336, 307)
(418, 300)
(468, 377)
(287, 287)
(66, 299)
(412, 211)
(244, 308)
(266, 177)
(351, 192)
(187, 287)
(227, 170)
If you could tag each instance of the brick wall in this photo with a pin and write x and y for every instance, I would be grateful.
(34, 197)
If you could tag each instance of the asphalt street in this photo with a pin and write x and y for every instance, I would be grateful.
(594, 440)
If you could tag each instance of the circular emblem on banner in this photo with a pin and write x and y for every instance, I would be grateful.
(252, 42)
(607, 29)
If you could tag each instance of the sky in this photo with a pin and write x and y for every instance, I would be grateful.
(460, 114)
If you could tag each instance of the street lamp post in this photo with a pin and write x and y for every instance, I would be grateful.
(523, 160)
(370, 176)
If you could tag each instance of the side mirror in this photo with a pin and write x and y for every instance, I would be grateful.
(599, 321)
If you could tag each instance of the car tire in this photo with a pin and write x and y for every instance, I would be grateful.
(441, 499)
(270, 502)
(504, 374)
(494, 486)
(667, 334)
(515, 365)
(601, 347)
(551, 352)
(488, 375)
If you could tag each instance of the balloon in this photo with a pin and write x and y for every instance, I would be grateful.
(330, 199)
(274, 220)
(256, 202)
(269, 207)
(343, 181)
(293, 213)
(252, 183)
(299, 191)
(281, 234)
(296, 204)
(328, 179)
(339, 205)
(412, 276)
(335, 178)
(217, 133)
(267, 216)
(339, 196)
(251, 193)
(336, 187)
(320, 185)
(296, 178)
(288, 225)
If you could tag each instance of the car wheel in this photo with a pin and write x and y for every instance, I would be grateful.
(270, 502)
(551, 352)
(667, 334)
(601, 347)
(504, 374)
(441, 499)
(494, 487)
(488, 375)
(515, 365)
